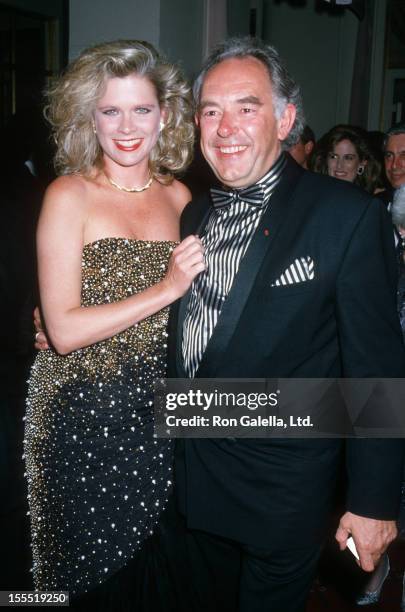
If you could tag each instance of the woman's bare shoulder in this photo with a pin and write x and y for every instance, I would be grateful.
(66, 202)
(67, 186)
(179, 195)
(70, 193)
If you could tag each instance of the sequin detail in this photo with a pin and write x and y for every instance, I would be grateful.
(98, 480)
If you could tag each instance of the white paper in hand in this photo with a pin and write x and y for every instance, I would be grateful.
(352, 547)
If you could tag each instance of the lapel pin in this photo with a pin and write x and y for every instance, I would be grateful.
(266, 232)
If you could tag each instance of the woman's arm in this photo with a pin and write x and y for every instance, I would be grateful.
(60, 244)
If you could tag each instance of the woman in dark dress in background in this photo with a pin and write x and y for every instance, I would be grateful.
(109, 267)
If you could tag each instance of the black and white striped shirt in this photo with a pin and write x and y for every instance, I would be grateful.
(227, 236)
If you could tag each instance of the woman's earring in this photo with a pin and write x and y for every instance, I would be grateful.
(94, 128)
(360, 170)
(161, 125)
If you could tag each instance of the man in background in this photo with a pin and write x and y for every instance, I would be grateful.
(394, 160)
(302, 149)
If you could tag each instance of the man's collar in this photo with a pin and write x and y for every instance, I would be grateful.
(256, 194)
(275, 170)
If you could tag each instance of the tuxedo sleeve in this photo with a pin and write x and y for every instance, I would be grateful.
(371, 346)
(194, 214)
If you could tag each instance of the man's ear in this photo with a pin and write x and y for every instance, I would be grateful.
(286, 121)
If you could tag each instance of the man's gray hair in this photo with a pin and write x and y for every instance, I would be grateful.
(395, 130)
(398, 207)
(285, 90)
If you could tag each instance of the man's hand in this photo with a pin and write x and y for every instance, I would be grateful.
(41, 341)
(371, 537)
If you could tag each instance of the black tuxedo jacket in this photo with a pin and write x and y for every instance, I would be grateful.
(343, 322)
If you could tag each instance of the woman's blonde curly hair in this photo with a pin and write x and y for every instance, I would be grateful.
(72, 101)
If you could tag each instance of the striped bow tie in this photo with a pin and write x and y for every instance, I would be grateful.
(253, 195)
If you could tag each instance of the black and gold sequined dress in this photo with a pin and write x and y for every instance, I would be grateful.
(98, 480)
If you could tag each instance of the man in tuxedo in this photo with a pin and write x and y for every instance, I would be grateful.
(394, 162)
(301, 150)
(299, 282)
(394, 155)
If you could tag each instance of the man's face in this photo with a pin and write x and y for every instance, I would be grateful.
(240, 135)
(395, 160)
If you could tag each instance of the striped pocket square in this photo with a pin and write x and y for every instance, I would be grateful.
(301, 270)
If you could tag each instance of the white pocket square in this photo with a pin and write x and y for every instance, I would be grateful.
(301, 270)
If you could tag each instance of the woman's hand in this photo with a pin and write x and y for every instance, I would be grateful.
(41, 341)
(186, 262)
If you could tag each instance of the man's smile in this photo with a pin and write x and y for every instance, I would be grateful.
(232, 149)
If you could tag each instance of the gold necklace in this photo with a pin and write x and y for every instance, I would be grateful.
(130, 189)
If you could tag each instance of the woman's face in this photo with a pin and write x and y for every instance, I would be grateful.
(127, 120)
(344, 162)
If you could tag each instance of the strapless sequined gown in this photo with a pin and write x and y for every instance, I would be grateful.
(98, 480)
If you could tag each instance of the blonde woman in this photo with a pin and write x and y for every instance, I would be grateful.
(109, 267)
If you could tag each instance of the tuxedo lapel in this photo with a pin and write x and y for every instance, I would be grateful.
(263, 241)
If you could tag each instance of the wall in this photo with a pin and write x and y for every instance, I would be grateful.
(181, 32)
(175, 26)
(238, 17)
(92, 22)
(319, 49)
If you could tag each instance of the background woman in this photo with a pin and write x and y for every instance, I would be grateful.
(344, 153)
(108, 269)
